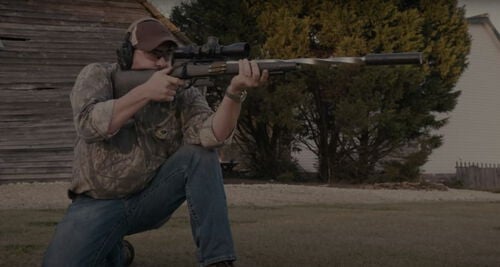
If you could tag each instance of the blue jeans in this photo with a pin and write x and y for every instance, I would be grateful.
(92, 230)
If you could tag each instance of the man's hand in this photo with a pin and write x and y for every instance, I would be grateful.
(249, 76)
(226, 116)
(162, 87)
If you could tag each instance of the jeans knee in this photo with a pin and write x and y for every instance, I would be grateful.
(201, 154)
(203, 162)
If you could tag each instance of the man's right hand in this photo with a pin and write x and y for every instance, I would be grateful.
(162, 87)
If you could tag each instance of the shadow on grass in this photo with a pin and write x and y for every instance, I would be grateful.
(410, 234)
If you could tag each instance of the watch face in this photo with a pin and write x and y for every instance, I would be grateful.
(238, 97)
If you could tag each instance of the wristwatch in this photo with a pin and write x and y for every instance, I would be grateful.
(237, 97)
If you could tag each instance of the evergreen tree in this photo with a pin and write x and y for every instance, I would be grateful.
(267, 124)
(371, 122)
(366, 122)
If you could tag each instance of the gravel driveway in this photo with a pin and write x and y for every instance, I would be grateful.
(53, 195)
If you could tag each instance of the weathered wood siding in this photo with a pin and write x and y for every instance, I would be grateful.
(45, 45)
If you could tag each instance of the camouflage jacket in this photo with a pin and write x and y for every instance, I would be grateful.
(116, 165)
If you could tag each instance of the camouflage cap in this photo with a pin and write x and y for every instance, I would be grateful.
(146, 34)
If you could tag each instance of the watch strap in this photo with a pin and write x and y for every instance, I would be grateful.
(237, 97)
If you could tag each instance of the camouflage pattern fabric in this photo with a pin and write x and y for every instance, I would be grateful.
(116, 165)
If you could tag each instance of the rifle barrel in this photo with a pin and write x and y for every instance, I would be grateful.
(393, 58)
(369, 59)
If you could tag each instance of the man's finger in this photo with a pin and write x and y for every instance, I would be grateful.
(169, 98)
(240, 67)
(171, 91)
(168, 95)
(265, 76)
(166, 70)
(247, 70)
(175, 82)
(255, 70)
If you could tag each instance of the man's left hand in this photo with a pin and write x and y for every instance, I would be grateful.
(249, 76)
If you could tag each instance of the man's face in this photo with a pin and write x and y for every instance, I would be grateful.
(159, 58)
(165, 51)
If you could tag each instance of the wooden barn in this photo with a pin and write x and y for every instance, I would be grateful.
(43, 46)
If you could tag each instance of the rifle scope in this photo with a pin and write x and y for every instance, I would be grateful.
(212, 49)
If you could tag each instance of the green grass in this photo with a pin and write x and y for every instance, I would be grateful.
(410, 234)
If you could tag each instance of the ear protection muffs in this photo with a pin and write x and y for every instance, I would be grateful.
(125, 53)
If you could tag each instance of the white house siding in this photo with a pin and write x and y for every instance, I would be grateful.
(306, 159)
(473, 131)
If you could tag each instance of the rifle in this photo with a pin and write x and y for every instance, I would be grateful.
(193, 62)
